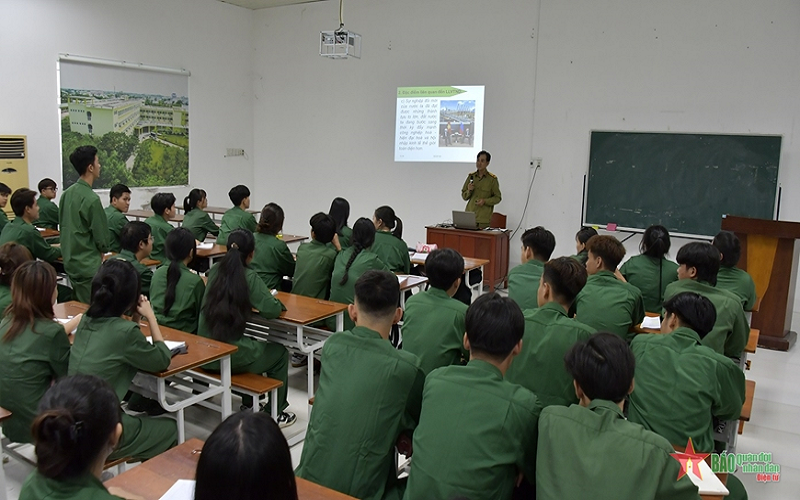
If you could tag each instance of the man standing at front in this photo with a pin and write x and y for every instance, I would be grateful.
(84, 228)
(482, 190)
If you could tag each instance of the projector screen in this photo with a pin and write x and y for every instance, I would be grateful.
(439, 123)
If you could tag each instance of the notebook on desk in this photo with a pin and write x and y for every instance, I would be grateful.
(464, 220)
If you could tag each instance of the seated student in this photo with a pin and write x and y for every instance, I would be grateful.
(34, 349)
(581, 237)
(523, 281)
(698, 264)
(5, 192)
(702, 383)
(48, 211)
(115, 212)
(233, 291)
(12, 255)
(650, 271)
(246, 458)
(113, 348)
(389, 245)
(550, 333)
(272, 260)
(77, 429)
(195, 218)
(163, 205)
(351, 263)
(590, 450)
(340, 211)
(477, 431)
(369, 393)
(21, 229)
(730, 277)
(237, 217)
(137, 244)
(314, 266)
(606, 303)
(176, 293)
(433, 324)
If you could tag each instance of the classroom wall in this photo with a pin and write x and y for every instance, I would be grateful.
(209, 38)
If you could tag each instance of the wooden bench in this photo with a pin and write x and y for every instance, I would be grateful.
(747, 408)
(255, 386)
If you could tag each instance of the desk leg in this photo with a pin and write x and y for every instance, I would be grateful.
(181, 427)
(340, 321)
(309, 365)
(3, 494)
(225, 379)
(480, 284)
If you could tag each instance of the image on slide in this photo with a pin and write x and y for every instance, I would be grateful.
(456, 123)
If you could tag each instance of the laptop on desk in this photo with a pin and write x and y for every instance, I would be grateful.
(464, 220)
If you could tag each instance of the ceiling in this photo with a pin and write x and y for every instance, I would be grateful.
(263, 4)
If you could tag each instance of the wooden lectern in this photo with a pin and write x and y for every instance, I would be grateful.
(770, 255)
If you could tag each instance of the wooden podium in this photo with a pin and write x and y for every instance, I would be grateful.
(770, 255)
(491, 245)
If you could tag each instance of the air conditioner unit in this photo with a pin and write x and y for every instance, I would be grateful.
(13, 164)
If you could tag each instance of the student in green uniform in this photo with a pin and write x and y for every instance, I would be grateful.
(351, 263)
(607, 303)
(246, 458)
(84, 227)
(233, 291)
(22, 230)
(120, 202)
(176, 293)
(76, 430)
(550, 333)
(433, 324)
(12, 255)
(590, 450)
(340, 211)
(494, 441)
(702, 383)
(272, 260)
(389, 245)
(312, 273)
(195, 218)
(237, 217)
(481, 191)
(34, 350)
(523, 281)
(730, 277)
(5, 192)
(650, 271)
(137, 245)
(48, 211)
(581, 237)
(163, 205)
(369, 393)
(698, 264)
(113, 348)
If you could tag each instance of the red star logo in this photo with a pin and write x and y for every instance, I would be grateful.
(690, 457)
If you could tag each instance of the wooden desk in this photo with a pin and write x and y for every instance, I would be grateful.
(723, 477)
(147, 262)
(216, 252)
(48, 233)
(470, 264)
(752, 341)
(201, 351)
(491, 245)
(146, 214)
(409, 282)
(214, 211)
(4, 414)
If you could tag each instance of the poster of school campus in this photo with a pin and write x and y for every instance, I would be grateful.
(138, 120)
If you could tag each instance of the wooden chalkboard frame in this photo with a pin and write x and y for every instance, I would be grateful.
(589, 212)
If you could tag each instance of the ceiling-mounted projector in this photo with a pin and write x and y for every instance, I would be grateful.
(339, 44)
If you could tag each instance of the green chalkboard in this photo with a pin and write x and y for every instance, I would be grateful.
(685, 182)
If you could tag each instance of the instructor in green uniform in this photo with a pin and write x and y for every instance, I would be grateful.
(481, 190)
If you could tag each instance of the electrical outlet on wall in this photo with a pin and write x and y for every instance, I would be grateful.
(234, 152)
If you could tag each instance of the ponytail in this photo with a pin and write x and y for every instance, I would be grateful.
(363, 238)
(390, 220)
(655, 242)
(227, 303)
(115, 290)
(179, 245)
(190, 202)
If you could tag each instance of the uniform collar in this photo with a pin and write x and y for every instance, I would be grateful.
(438, 292)
(317, 243)
(604, 274)
(554, 306)
(535, 263)
(485, 366)
(128, 255)
(686, 333)
(363, 331)
(18, 221)
(81, 181)
(603, 406)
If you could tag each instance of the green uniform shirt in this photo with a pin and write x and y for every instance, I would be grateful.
(433, 329)
(345, 236)
(116, 221)
(651, 276)
(680, 385)
(114, 349)
(609, 305)
(28, 366)
(312, 274)
(486, 188)
(160, 229)
(185, 311)
(475, 434)
(145, 273)
(28, 236)
(595, 453)
(5, 298)
(272, 260)
(48, 213)
(368, 393)
(84, 487)
(199, 223)
(3, 218)
(235, 218)
(581, 256)
(393, 251)
(523, 284)
(345, 294)
(84, 230)
(738, 282)
(731, 331)
(539, 367)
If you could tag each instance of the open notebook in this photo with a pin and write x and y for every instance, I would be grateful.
(183, 489)
(174, 347)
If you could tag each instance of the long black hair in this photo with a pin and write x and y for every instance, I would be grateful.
(363, 238)
(340, 211)
(115, 290)
(655, 242)
(190, 202)
(271, 221)
(179, 244)
(387, 216)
